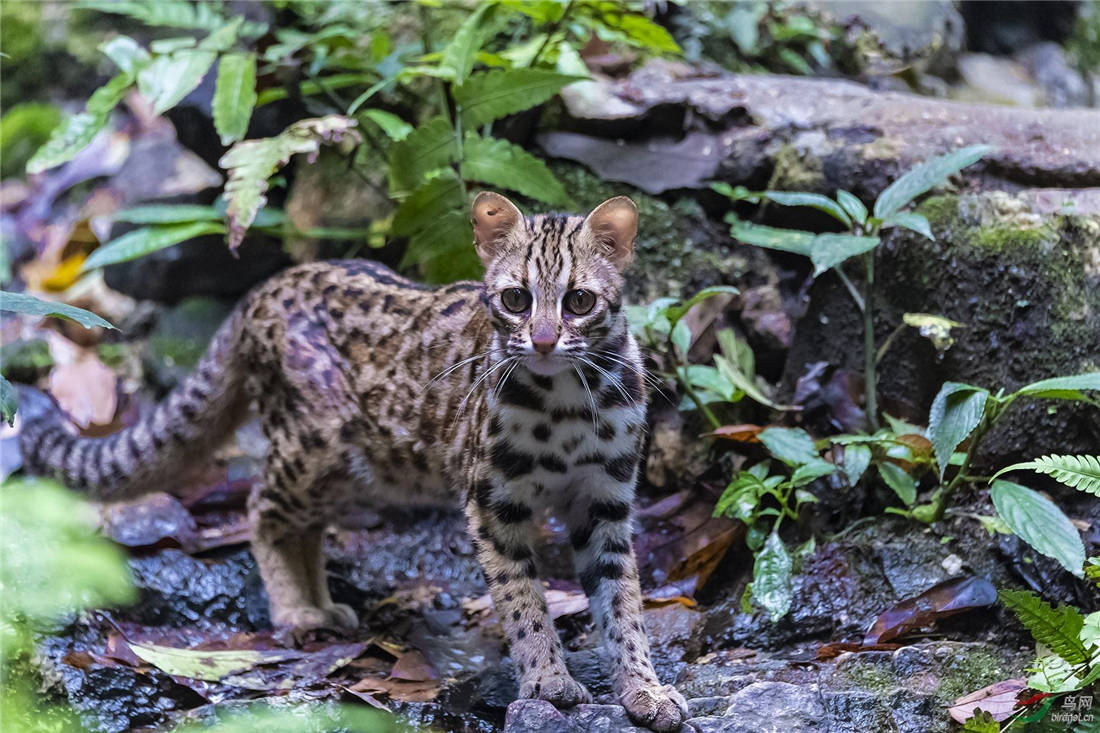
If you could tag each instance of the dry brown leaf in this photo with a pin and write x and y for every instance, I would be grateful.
(998, 699)
(85, 389)
(744, 433)
(561, 603)
(401, 690)
(413, 666)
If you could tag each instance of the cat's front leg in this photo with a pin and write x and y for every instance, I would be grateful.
(601, 536)
(501, 527)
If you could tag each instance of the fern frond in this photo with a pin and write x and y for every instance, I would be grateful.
(1057, 628)
(1078, 472)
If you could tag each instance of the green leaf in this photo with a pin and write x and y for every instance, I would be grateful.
(458, 56)
(75, 133)
(448, 236)
(793, 446)
(852, 205)
(126, 53)
(1063, 388)
(234, 95)
(251, 163)
(1077, 472)
(981, 722)
(222, 38)
(911, 221)
(431, 146)
(681, 337)
(500, 163)
(744, 383)
(813, 200)
(924, 177)
(396, 129)
(1059, 629)
(146, 240)
(708, 378)
(429, 203)
(168, 79)
(675, 312)
(1039, 522)
(758, 235)
(771, 578)
(956, 411)
(898, 480)
(829, 250)
(629, 27)
(32, 306)
(167, 214)
(485, 97)
(811, 471)
(741, 497)
(169, 13)
(9, 401)
(856, 460)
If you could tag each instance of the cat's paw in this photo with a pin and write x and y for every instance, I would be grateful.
(342, 616)
(560, 689)
(660, 708)
(302, 623)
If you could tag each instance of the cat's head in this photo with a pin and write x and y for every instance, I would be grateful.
(553, 282)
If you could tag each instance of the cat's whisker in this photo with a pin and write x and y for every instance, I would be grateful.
(478, 382)
(591, 399)
(613, 379)
(457, 365)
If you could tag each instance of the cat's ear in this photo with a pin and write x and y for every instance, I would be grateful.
(494, 217)
(614, 223)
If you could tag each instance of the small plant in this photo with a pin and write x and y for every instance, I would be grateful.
(762, 499)
(830, 251)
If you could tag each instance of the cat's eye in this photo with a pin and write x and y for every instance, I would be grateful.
(579, 302)
(516, 300)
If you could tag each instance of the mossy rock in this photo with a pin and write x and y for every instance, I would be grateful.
(1021, 271)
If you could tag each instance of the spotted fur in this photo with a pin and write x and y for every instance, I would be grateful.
(374, 389)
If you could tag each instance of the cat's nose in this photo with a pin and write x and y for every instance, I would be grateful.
(544, 338)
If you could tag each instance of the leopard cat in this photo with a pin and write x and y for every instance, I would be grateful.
(521, 393)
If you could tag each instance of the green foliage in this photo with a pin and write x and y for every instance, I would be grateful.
(32, 306)
(9, 401)
(24, 128)
(829, 251)
(501, 163)
(1039, 522)
(981, 722)
(495, 94)
(234, 95)
(1059, 629)
(259, 718)
(771, 578)
(1077, 472)
(956, 411)
(146, 240)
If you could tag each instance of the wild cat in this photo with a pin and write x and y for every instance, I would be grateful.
(520, 393)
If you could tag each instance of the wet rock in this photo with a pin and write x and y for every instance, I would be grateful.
(835, 134)
(764, 707)
(996, 80)
(1021, 271)
(673, 631)
(539, 716)
(1063, 85)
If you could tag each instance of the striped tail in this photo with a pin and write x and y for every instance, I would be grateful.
(159, 451)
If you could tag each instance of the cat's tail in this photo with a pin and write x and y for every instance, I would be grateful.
(157, 452)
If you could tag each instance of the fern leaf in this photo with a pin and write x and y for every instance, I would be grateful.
(1077, 472)
(500, 163)
(234, 96)
(171, 14)
(432, 145)
(77, 132)
(1057, 628)
(492, 95)
(252, 162)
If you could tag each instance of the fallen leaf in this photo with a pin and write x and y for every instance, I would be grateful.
(414, 667)
(85, 390)
(308, 668)
(836, 648)
(400, 690)
(738, 433)
(205, 664)
(941, 600)
(561, 603)
(998, 699)
(366, 697)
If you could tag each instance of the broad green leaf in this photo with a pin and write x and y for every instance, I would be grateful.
(911, 221)
(221, 39)
(126, 53)
(168, 79)
(852, 205)
(681, 337)
(1077, 472)
(856, 460)
(251, 163)
(396, 129)
(70, 568)
(1039, 522)
(1059, 629)
(811, 471)
(813, 200)
(956, 411)
(447, 236)
(432, 145)
(429, 203)
(9, 401)
(829, 250)
(793, 446)
(758, 235)
(737, 351)
(146, 240)
(637, 30)
(75, 133)
(740, 498)
(744, 383)
(981, 722)
(171, 45)
(1063, 388)
(488, 96)
(675, 312)
(771, 578)
(458, 56)
(924, 177)
(500, 163)
(32, 306)
(710, 379)
(234, 95)
(169, 13)
(898, 480)
(167, 214)
(206, 664)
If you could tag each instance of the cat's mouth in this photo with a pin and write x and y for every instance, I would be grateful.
(547, 365)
